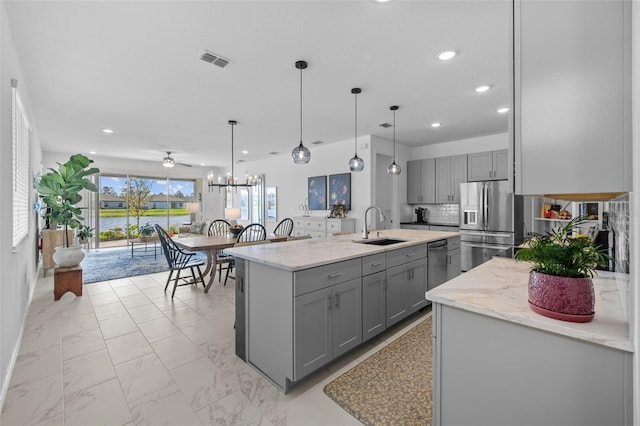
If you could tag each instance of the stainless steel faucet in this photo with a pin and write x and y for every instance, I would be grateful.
(365, 230)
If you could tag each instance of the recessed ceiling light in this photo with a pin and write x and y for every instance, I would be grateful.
(92, 152)
(449, 54)
(483, 88)
(107, 131)
(273, 153)
(202, 164)
(436, 124)
(244, 151)
(383, 1)
(502, 110)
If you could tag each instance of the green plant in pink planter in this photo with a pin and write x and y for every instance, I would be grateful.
(560, 284)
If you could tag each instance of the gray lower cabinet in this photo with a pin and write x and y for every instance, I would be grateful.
(374, 305)
(327, 323)
(453, 263)
(406, 282)
(488, 371)
(313, 331)
(240, 324)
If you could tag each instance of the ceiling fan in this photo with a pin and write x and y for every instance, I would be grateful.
(168, 161)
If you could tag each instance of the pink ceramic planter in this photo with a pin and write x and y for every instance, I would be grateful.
(562, 298)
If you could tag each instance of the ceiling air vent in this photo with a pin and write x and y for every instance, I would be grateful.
(217, 60)
(385, 125)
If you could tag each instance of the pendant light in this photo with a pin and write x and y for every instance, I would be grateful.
(230, 180)
(394, 169)
(301, 154)
(356, 164)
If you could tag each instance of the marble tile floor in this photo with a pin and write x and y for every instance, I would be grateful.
(125, 353)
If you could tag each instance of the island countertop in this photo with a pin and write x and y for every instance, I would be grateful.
(498, 289)
(309, 253)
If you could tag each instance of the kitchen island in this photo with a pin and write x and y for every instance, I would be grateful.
(302, 304)
(496, 362)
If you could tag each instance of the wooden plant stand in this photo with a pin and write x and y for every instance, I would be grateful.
(67, 279)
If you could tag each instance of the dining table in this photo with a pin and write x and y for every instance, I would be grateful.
(211, 245)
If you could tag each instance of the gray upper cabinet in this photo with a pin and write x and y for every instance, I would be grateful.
(421, 176)
(489, 165)
(450, 172)
(572, 106)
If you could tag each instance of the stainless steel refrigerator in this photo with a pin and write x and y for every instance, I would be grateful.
(490, 221)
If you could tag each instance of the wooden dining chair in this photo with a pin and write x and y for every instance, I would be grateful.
(253, 232)
(220, 227)
(179, 260)
(285, 227)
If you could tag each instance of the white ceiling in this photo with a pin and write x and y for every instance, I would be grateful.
(135, 67)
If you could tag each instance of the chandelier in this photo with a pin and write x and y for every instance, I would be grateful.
(230, 180)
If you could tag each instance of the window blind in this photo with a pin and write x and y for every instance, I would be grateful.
(21, 135)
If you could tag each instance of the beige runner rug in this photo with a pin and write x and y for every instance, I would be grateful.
(392, 386)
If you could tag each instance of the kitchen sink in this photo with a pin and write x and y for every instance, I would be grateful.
(381, 241)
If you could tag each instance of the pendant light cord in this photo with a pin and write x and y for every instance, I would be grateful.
(355, 133)
(301, 106)
(232, 177)
(394, 135)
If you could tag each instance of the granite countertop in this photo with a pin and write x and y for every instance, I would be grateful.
(309, 253)
(498, 288)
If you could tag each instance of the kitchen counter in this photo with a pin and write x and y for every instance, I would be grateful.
(304, 254)
(496, 362)
(498, 289)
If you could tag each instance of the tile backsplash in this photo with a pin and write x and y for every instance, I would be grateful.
(443, 214)
(619, 224)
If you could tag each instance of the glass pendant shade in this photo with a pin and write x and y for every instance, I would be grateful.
(356, 164)
(394, 169)
(301, 154)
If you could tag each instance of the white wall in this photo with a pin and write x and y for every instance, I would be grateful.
(291, 179)
(19, 269)
(462, 146)
(634, 205)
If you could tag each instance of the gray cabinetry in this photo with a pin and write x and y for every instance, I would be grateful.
(313, 330)
(374, 305)
(572, 96)
(450, 172)
(487, 371)
(346, 309)
(327, 314)
(406, 282)
(421, 177)
(489, 165)
(453, 258)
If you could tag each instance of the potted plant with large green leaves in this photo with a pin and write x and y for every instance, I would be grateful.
(60, 191)
(560, 284)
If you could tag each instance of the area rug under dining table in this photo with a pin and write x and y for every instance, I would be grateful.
(392, 386)
(113, 263)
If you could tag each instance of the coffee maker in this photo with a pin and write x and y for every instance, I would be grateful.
(421, 215)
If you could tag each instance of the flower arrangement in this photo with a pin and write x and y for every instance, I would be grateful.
(561, 254)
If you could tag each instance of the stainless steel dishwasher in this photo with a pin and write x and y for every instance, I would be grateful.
(437, 263)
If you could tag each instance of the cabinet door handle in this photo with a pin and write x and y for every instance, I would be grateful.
(338, 300)
(334, 275)
(410, 254)
(376, 264)
(329, 302)
(241, 284)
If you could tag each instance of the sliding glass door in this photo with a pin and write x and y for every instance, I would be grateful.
(127, 203)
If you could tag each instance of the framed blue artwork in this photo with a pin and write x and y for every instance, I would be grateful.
(317, 192)
(340, 190)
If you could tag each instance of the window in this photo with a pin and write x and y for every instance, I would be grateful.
(21, 175)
